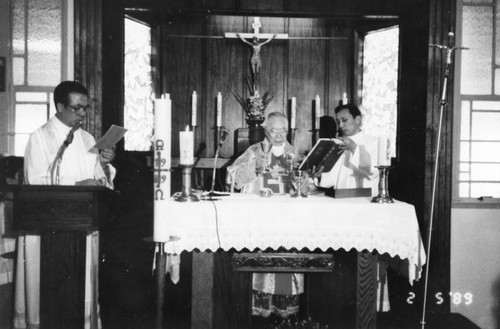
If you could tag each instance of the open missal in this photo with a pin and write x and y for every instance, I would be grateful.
(324, 154)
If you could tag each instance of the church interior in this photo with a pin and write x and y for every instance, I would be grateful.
(442, 107)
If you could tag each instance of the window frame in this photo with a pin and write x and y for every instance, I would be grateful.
(67, 67)
(456, 200)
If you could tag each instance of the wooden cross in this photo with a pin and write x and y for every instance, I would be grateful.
(256, 26)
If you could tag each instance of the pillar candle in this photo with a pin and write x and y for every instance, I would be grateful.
(162, 161)
(186, 147)
(219, 110)
(317, 111)
(384, 158)
(163, 128)
(193, 108)
(293, 113)
(344, 99)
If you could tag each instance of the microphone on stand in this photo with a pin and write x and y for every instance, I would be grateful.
(56, 164)
(223, 135)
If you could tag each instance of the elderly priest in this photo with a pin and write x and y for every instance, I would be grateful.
(267, 165)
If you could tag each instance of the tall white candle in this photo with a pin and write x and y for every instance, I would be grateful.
(186, 147)
(384, 158)
(344, 99)
(194, 101)
(317, 111)
(293, 113)
(219, 110)
(162, 163)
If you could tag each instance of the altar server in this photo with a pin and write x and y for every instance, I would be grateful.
(356, 166)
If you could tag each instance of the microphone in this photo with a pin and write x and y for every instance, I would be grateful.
(69, 138)
(56, 164)
(223, 135)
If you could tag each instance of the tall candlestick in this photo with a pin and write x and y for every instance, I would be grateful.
(193, 108)
(186, 147)
(219, 110)
(317, 112)
(344, 99)
(293, 113)
(162, 156)
(384, 158)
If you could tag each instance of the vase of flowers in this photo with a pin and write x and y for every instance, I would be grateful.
(255, 107)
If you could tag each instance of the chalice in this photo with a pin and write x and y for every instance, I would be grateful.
(294, 162)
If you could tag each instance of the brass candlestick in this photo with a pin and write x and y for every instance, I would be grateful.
(383, 189)
(186, 195)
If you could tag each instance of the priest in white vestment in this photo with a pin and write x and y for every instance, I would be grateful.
(48, 162)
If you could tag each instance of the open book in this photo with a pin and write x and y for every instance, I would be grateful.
(324, 154)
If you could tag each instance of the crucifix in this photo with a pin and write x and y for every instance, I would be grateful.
(256, 45)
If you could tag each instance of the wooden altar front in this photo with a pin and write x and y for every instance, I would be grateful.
(354, 231)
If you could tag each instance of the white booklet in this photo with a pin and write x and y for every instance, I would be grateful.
(110, 138)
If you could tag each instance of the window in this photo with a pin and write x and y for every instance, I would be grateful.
(477, 173)
(138, 85)
(380, 83)
(38, 63)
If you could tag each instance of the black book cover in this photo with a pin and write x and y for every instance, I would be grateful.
(325, 153)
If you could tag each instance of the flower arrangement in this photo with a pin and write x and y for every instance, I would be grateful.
(254, 106)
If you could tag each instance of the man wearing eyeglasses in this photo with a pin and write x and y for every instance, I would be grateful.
(60, 153)
(78, 163)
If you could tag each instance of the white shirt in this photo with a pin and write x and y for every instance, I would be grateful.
(355, 170)
(78, 163)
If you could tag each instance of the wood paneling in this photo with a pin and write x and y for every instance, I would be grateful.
(225, 74)
(302, 67)
(88, 58)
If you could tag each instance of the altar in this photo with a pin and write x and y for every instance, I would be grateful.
(217, 229)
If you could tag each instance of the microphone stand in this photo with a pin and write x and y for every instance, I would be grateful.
(223, 135)
(55, 166)
(450, 48)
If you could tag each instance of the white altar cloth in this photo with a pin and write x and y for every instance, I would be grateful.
(249, 221)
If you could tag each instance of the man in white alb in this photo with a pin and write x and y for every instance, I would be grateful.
(356, 167)
(60, 153)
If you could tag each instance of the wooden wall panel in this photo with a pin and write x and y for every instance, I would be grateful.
(88, 58)
(303, 66)
(306, 67)
(274, 67)
(225, 72)
(340, 57)
(182, 73)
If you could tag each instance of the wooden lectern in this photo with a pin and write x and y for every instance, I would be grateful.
(63, 216)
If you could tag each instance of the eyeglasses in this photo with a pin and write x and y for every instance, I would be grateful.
(275, 132)
(79, 108)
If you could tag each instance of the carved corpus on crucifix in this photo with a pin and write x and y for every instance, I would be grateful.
(254, 41)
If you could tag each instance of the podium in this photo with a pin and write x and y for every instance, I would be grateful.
(62, 216)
